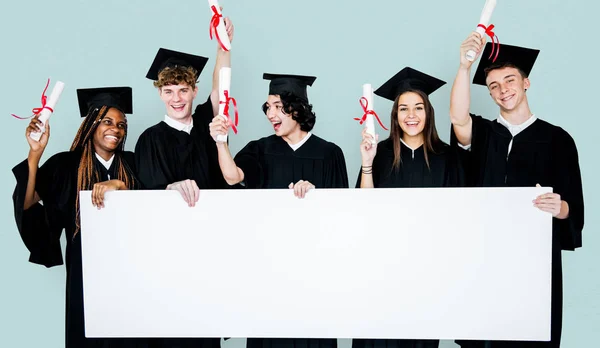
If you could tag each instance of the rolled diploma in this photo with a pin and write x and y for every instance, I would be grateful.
(224, 85)
(45, 114)
(486, 15)
(369, 122)
(221, 27)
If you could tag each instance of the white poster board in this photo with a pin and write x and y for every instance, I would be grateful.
(379, 263)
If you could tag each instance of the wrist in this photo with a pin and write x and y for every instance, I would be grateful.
(34, 157)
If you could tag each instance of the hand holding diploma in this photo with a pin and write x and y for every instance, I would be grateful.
(484, 28)
(366, 103)
(46, 110)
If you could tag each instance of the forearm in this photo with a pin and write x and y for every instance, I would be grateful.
(231, 173)
(564, 210)
(460, 97)
(366, 175)
(31, 197)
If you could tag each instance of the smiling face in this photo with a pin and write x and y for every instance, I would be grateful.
(110, 131)
(178, 99)
(283, 124)
(411, 114)
(507, 87)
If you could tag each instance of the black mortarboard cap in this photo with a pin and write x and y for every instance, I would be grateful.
(521, 57)
(294, 84)
(408, 79)
(168, 58)
(114, 97)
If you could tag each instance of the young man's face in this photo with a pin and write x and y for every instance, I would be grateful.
(507, 87)
(282, 123)
(178, 99)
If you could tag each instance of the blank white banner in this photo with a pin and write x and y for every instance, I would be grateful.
(379, 263)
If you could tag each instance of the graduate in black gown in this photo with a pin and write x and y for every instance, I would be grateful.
(178, 152)
(46, 199)
(521, 150)
(413, 155)
(291, 158)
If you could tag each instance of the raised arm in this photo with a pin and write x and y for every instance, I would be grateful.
(223, 60)
(460, 96)
(36, 150)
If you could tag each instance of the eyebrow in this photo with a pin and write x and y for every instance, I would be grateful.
(415, 104)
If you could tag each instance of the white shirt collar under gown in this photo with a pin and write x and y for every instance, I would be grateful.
(178, 125)
(515, 129)
(105, 164)
(301, 142)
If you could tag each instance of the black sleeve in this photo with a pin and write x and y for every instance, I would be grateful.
(471, 162)
(569, 186)
(148, 168)
(39, 232)
(337, 166)
(249, 161)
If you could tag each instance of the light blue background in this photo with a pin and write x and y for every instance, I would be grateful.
(108, 43)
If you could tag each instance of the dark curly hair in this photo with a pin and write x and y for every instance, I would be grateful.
(300, 110)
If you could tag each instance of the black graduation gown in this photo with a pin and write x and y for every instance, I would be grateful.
(443, 170)
(541, 154)
(271, 163)
(41, 227)
(164, 155)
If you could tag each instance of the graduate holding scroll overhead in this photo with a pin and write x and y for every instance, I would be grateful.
(519, 149)
(178, 152)
(293, 157)
(413, 155)
(95, 162)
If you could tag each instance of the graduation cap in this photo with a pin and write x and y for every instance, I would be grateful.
(168, 59)
(521, 57)
(114, 97)
(294, 84)
(408, 79)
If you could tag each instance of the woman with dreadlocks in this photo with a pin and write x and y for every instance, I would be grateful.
(46, 200)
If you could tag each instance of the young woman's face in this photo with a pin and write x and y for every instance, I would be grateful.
(283, 124)
(411, 114)
(111, 131)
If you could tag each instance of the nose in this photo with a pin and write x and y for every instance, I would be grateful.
(176, 96)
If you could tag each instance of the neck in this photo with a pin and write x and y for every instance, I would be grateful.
(186, 120)
(517, 115)
(106, 155)
(413, 141)
(295, 136)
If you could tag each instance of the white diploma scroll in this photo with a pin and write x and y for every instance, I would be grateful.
(47, 111)
(221, 32)
(224, 85)
(486, 15)
(369, 122)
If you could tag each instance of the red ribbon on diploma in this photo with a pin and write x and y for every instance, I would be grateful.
(226, 111)
(38, 110)
(364, 103)
(214, 23)
(495, 42)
